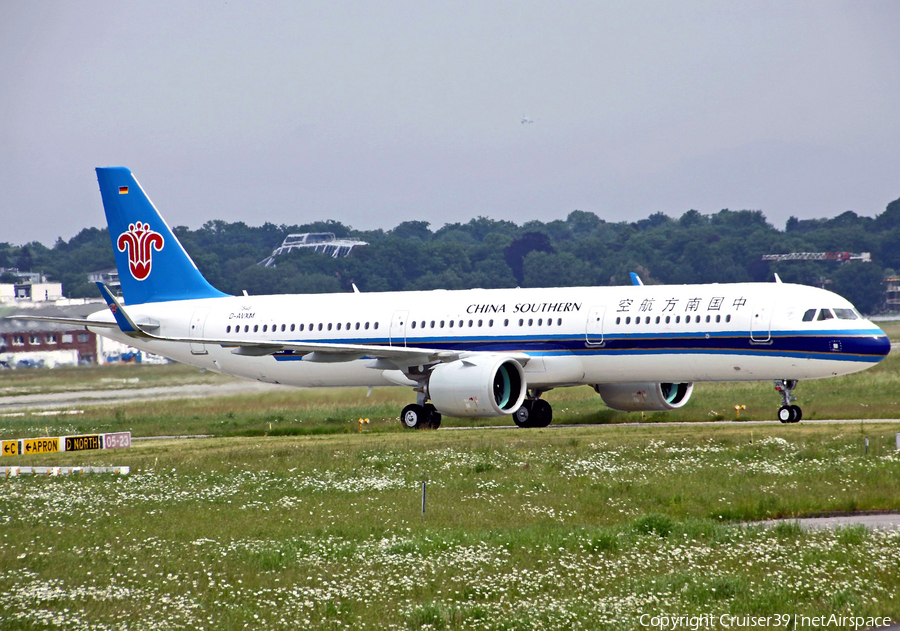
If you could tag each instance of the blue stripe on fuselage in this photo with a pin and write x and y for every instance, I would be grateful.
(861, 346)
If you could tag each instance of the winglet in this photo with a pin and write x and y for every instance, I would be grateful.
(126, 324)
(635, 279)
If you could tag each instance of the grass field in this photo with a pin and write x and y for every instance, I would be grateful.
(318, 526)
(586, 527)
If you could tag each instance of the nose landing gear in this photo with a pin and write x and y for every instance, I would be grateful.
(788, 412)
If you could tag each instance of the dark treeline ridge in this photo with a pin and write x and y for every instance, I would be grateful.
(583, 249)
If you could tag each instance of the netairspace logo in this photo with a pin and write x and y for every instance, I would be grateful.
(783, 621)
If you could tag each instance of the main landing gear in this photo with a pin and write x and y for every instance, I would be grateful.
(420, 415)
(534, 412)
(788, 413)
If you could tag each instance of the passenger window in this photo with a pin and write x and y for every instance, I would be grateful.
(718, 319)
(506, 322)
(320, 326)
(432, 324)
(256, 328)
(628, 320)
(657, 319)
(480, 322)
(329, 326)
(356, 326)
(540, 321)
(470, 323)
(460, 324)
(451, 324)
(490, 323)
(246, 328)
(677, 319)
(647, 320)
(668, 319)
(442, 324)
(265, 327)
(728, 318)
(338, 326)
(618, 320)
(530, 322)
(810, 315)
(376, 325)
(228, 329)
(367, 326)
(707, 319)
(413, 323)
(559, 321)
(825, 314)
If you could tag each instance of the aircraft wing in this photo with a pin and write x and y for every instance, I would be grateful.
(400, 356)
(55, 320)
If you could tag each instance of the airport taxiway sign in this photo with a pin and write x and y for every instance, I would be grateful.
(10, 448)
(83, 443)
(117, 440)
(40, 446)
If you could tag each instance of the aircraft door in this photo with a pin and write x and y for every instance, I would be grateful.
(594, 326)
(398, 328)
(761, 320)
(198, 322)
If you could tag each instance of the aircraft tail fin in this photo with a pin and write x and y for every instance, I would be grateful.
(153, 266)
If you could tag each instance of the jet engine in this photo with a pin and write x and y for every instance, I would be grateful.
(482, 385)
(644, 397)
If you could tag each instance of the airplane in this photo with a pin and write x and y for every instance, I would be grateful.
(476, 352)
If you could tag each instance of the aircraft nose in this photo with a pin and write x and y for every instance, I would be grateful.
(882, 345)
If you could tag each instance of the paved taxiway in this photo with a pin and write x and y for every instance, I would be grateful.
(56, 400)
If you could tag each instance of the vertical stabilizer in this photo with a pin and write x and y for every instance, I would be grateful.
(152, 264)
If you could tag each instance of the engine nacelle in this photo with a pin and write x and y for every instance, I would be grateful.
(644, 397)
(483, 385)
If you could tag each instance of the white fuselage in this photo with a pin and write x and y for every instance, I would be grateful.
(578, 335)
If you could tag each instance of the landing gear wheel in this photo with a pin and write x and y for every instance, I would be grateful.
(522, 416)
(434, 417)
(414, 416)
(541, 413)
(785, 414)
(533, 413)
(788, 413)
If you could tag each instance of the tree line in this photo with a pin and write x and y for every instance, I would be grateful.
(582, 249)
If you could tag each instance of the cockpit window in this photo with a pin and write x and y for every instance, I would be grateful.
(846, 314)
(825, 314)
(810, 315)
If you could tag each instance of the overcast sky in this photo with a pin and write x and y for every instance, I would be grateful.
(376, 113)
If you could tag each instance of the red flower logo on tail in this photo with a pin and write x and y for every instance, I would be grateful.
(139, 242)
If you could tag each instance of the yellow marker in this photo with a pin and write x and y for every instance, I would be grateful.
(737, 410)
(40, 446)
